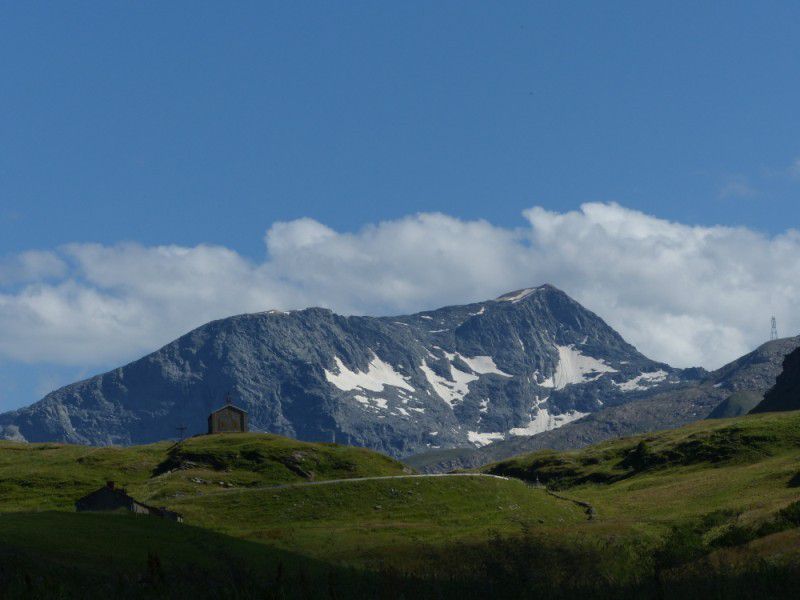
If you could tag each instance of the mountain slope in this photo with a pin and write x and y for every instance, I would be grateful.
(526, 362)
(786, 393)
(753, 374)
(736, 405)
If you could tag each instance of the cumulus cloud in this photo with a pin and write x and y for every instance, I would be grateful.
(682, 294)
(29, 266)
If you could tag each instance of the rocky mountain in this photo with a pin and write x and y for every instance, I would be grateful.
(712, 395)
(786, 393)
(736, 405)
(461, 376)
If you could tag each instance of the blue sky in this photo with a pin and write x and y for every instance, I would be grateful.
(207, 123)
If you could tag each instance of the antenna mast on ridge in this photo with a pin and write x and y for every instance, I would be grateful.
(774, 333)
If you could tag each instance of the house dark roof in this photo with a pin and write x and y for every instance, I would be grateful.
(227, 407)
(110, 498)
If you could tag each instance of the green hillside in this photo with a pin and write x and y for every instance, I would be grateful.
(379, 522)
(708, 509)
(726, 483)
(52, 476)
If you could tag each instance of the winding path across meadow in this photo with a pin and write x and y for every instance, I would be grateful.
(377, 478)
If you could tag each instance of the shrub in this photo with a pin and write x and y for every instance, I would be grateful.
(736, 535)
(791, 514)
(684, 544)
(717, 518)
(640, 457)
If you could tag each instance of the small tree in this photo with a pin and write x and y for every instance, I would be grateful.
(640, 457)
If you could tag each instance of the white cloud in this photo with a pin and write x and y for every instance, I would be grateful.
(683, 294)
(33, 265)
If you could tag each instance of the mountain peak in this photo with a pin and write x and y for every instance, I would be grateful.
(438, 379)
(521, 294)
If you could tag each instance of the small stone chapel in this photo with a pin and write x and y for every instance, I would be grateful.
(228, 419)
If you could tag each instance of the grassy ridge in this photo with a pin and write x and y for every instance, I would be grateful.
(744, 471)
(52, 476)
(381, 522)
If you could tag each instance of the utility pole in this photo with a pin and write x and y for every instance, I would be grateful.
(773, 335)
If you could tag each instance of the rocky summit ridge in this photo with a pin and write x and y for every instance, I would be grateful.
(527, 362)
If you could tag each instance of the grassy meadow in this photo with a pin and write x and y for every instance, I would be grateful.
(708, 509)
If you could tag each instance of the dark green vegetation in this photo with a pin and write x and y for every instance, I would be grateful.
(709, 509)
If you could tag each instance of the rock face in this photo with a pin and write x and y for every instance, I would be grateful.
(736, 405)
(460, 376)
(750, 376)
(786, 393)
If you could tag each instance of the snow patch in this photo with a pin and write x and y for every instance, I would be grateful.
(482, 439)
(642, 382)
(574, 367)
(379, 374)
(544, 421)
(369, 402)
(479, 313)
(362, 399)
(484, 405)
(449, 391)
(483, 365)
(454, 389)
(516, 296)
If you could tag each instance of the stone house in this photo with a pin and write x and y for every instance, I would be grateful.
(111, 498)
(228, 419)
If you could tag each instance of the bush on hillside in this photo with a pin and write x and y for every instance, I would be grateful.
(683, 545)
(791, 514)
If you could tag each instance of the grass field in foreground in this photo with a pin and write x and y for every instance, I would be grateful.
(79, 555)
(383, 521)
(706, 509)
